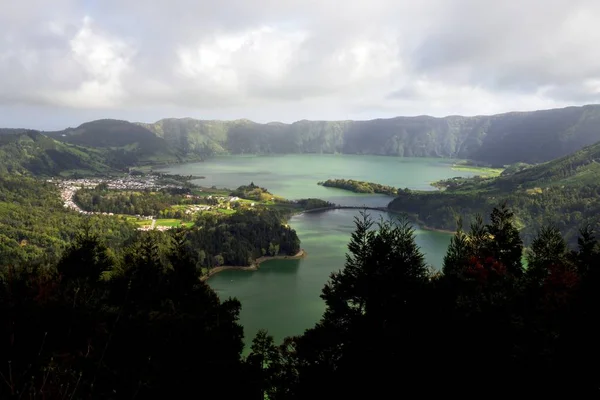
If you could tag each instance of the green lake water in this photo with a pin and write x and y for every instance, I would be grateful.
(283, 295)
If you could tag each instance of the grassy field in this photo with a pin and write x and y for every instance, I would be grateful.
(168, 222)
(226, 211)
(135, 220)
(485, 172)
(213, 192)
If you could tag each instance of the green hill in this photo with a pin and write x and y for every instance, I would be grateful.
(37, 154)
(12, 131)
(564, 192)
(530, 137)
(122, 142)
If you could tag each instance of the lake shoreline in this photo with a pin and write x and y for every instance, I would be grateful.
(254, 266)
(412, 218)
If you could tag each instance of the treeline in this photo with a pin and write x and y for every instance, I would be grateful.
(360, 186)
(566, 207)
(146, 202)
(310, 204)
(138, 323)
(240, 238)
(484, 325)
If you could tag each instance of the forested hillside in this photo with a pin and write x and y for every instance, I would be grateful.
(123, 143)
(35, 226)
(33, 153)
(564, 192)
(502, 139)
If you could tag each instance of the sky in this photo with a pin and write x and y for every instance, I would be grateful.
(64, 62)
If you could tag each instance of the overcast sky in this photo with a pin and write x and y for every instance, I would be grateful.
(63, 62)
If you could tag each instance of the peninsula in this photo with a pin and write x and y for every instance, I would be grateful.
(360, 186)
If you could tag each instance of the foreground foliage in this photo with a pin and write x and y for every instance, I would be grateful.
(485, 324)
(96, 326)
(139, 323)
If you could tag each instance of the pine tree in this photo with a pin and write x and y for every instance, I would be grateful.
(478, 238)
(264, 361)
(457, 255)
(86, 259)
(373, 314)
(345, 292)
(505, 244)
(589, 251)
(547, 249)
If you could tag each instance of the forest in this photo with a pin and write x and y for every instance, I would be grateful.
(240, 238)
(36, 228)
(34, 225)
(564, 192)
(139, 323)
(31, 153)
(360, 186)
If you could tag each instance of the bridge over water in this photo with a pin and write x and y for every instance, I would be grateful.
(383, 209)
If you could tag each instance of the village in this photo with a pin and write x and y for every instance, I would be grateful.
(69, 187)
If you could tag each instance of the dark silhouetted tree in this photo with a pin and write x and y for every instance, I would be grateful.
(505, 244)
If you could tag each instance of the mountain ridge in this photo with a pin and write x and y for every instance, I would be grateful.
(500, 139)
(496, 140)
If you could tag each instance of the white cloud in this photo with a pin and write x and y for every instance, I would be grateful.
(233, 62)
(287, 60)
(104, 61)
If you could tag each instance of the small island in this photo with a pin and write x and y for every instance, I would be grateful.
(360, 186)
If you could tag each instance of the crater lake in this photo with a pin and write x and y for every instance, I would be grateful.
(282, 296)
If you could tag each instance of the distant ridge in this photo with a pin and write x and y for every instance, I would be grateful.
(530, 137)
(497, 140)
